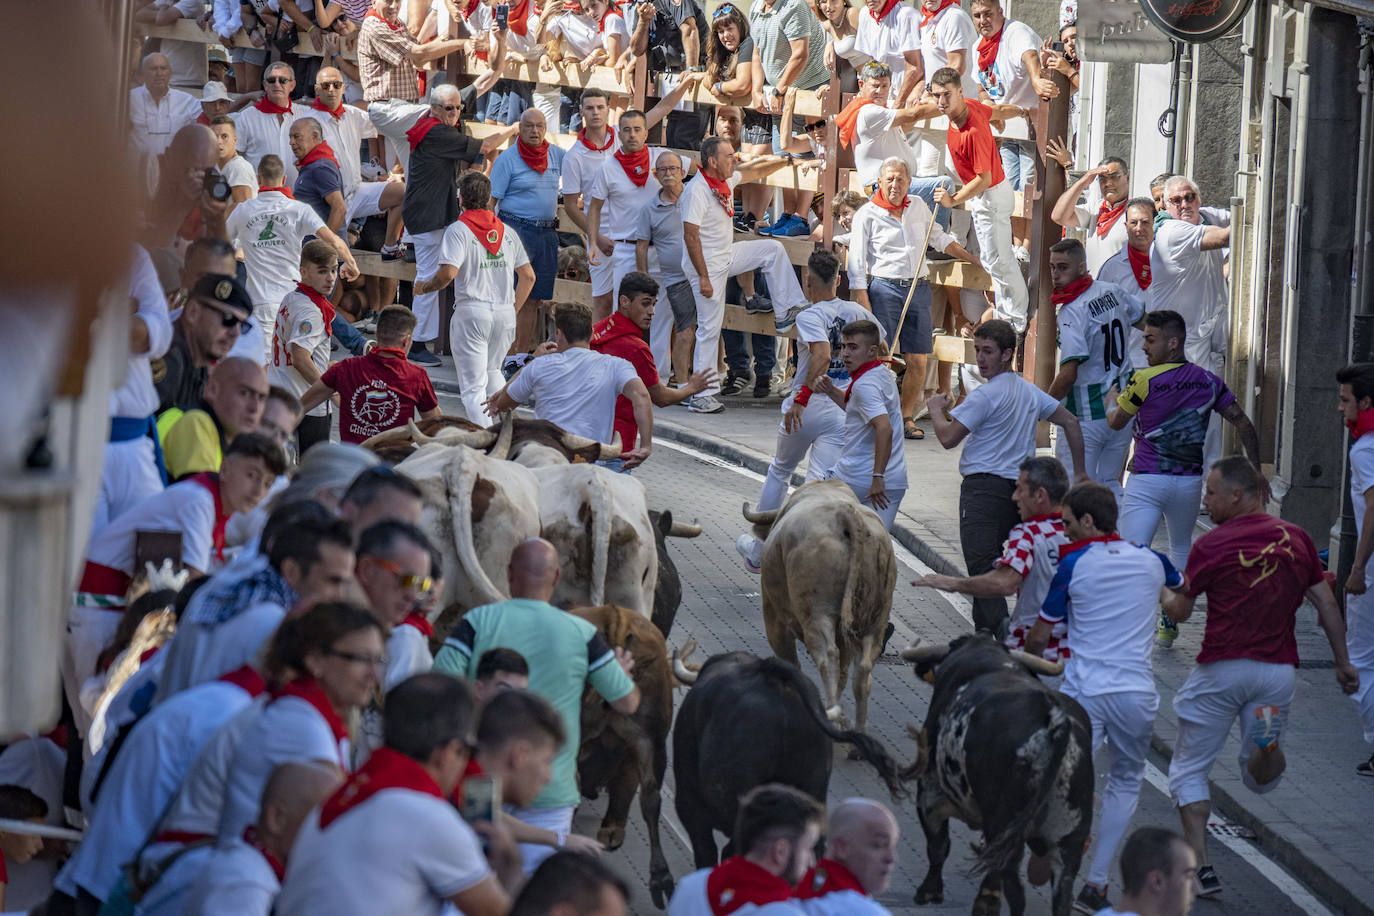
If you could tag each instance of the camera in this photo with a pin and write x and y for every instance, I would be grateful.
(215, 185)
(1057, 47)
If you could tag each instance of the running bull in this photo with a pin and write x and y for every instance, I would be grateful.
(1006, 755)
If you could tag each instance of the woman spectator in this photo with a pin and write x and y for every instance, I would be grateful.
(840, 21)
(730, 74)
(610, 28)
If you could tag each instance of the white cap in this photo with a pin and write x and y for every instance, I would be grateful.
(214, 92)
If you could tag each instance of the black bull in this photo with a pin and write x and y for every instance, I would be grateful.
(1007, 755)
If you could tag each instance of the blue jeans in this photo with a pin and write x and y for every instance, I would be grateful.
(924, 188)
(347, 335)
(1018, 162)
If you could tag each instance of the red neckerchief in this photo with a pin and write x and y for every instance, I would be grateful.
(1364, 423)
(1140, 266)
(737, 882)
(858, 374)
(423, 127)
(880, 199)
(373, 14)
(202, 119)
(1107, 217)
(887, 8)
(321, 303)
(281, 190)
(987, 50)
(1074, 546)
(472, 7)
(536, 157)
(210, 481)
(1072, 291)
(828, 877)
(306, 688)
(336, 113)
(385, 769)
(612, 9)
(636, 165)
(420, 622)
(582, 135)
(517, 20)
(266, 106)
(484, 224)
(721, 188)
(927, 15)
(848, 119)
(247, 679)
(250, 836)
(320, 152)
(614, 327)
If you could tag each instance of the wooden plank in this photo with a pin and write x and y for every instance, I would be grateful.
(959, 273)
(952, 349)
(370, 264)
(187, 30)
(737, 319)
(572, 291)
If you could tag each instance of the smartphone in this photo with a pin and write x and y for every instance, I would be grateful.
(481, 798)
(502, 13)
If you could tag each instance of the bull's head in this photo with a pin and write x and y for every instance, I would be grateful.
(926, 659)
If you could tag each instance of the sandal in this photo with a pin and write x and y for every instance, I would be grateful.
(910, 430)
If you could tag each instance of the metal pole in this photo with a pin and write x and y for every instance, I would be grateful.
(1168, 121)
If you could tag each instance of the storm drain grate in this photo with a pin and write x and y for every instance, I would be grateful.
(1235, 831)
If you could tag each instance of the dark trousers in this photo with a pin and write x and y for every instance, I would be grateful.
(986, 517)
(310, 431)
(737, 351)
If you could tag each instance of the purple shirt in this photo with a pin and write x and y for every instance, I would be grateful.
(1171, 403)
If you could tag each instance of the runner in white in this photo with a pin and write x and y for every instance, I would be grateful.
(1357, 409)
(1129, 268)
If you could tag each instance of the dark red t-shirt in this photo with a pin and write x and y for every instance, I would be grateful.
(972, 148)
(619, 336)
(1254, 570)
(378, 393)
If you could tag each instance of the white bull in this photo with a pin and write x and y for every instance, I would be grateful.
(828, 576)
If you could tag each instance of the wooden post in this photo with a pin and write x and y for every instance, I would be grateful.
(1051, 120)
(830, 175)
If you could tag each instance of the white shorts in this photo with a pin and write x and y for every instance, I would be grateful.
(555, 819)
(365, 201)
(603, 274)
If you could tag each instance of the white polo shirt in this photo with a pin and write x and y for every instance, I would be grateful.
(580, 165)
(270, 230)
(876, 141)
(1000, 416)
(690, 900)
(185, 507)
(200, 801)
(485, 281)
(951, 30)
(576, 389)
(888, 41)
(235, 880)
(873, 394)
(299, 323)
(399, 851)
(1094, 330)
(1007, 81)
(700, 206)
(622, 200)
(154, 123)
(1192, 282)
(821, 322)
(882, 244)
(259, 133)
(345, 136)
(407, 654)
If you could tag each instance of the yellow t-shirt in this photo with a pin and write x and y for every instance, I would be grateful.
(192, 445)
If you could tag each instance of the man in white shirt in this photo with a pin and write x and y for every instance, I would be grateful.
(265, 126)
(492, 277)
(863, 838)
(889, 32)
(998, 418)
(575, 387)
(1107, 591)
(1129, 268)
(156, 111)
(187, 58)
(237, 173)
(390, 841)
(948, 39)
(1101, 216)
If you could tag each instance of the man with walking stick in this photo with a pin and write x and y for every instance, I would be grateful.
(887, 275)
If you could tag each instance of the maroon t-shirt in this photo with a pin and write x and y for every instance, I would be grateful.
(378, 393)
(619, 336)
(1254, 570)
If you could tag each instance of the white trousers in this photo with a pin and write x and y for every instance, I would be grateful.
(554, 819)
(1359, 640)
(128, 477)
(991, 212)
(1150, 497)
(822, 433)
(392, 118)
(480, 337)
(548, 98)
(426, 307)
(1124, 721)
(89, 631)
(1215, 696)
(661, 327)
(1104, 452)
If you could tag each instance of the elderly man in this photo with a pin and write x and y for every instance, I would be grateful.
(1187, 268)
(237, 173)
(232, 404)
(1129, 268)
(187, 59)
(1101, 216)
(181, 208)
(214, 312)
(319, 182)
(863, 838)
(659, 226)
(890, 33)
(214, 101)
(156, 111)
(265, 126)
(887, 275)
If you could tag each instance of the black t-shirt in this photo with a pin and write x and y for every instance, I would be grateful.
(665, 35)
(431, 200)
(178, 381)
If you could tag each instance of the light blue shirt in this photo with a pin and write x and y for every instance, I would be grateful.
(523, 192)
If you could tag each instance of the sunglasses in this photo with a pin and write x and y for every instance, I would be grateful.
(406, 579)
(723, 10)
(283, 80)
(332, 84)
(451, 107)
(229, 319)
(815, 125)
(375, 661)
(1190, 197)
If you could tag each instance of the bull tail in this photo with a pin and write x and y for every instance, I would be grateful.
(460, 491)
(868, 747)
(1004, 847)
(601, 538)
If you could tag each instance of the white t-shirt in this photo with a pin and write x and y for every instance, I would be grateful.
(1007, 82)
(622, 198)
(873, 394)
(186, 507)
(951, 30)
(137, 397)
(580, 165)
(580, 38)
(235, 880)
(1000, 416)
(484, 280)
(200, 802)
(407, 653)
(201, 652)
(1190, 281)
(1093, 329)
(576, 389)
(270, 230)
(240, 174)
(153, 124)
(876, 141)
(884, 245)
(821, 322)
(690, 900)
(345, 137)
(1117, 270)
(400, 851)
(299, 323)
(701, 207)
(260, 134)
(1099, 248)
(1359, 634)
(888, 41)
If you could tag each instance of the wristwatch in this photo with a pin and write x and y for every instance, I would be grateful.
(776, 93)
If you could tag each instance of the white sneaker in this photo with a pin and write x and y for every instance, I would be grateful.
(751, 549)
(1021, 254)
(704, 403)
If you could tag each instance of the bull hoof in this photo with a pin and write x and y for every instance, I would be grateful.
(930, 893)
(611, 837)
(661, 889)
(988, 903)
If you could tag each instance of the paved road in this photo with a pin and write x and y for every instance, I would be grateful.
(721, 610)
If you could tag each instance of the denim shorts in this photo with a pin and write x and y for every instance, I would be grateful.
(1018, 162)
(887, 297)
(683, 303)
(255, 56)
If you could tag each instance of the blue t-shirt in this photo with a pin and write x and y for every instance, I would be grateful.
(316, 181)
(523, 192)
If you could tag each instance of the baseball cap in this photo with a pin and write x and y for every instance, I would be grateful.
(223, 289)
(214, 91)
(217, 53)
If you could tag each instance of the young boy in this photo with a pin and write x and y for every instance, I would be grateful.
(300, 338)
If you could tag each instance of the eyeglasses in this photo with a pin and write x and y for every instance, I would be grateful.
(374, 661)
(815, 125)
(667, 169)
(332, 84)
(283, 80)
(229, 319)
(1189, 198)
(450, 107)
(407, 580)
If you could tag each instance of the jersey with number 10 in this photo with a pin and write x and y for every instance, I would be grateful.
(1093, 330)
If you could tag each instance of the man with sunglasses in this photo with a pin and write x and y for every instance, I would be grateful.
(1104, 190)
(264, 127)
(394, 572)
(214, 314)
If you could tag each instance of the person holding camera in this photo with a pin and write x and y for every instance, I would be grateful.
(190, 201)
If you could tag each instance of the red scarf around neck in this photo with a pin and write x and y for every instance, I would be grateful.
(320, 152)
(858, 374)
(306, 688)
(321, 302)
(281, 190)
(927, 15)
(385, 352)
(373, 14)
(267, 106)
(1364, 423)
(987, 50)
(250, 836)
(485, 226)
(385, 769)
(636, 165)
(1107, 215)
(888, 7)
(1075, 546)
(881, 200)
(737, 882)
(612, 9)
(610, 138)
(335, 113)
(1140, 266)
(210, 481)
(247, 679)
(518, 19)
(1072, 291)
(536, 157)
(721, 188)
(202, 119)
(420, 622)
(848, 119)
(422, 127)
(828, 877)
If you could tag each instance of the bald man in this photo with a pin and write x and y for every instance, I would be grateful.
(235, 393)
(564, 652)
(157, 111)
(180, 192)
(863, 851)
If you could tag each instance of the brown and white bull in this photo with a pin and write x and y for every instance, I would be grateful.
(828, 576)
(397, 444)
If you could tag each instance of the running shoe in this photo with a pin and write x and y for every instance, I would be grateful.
(768, 229)
(1166, 631)
(786, 323)
(420, 355)
(392, 252)
(1208, 882)
(751, 549)
(1265, 731)
(734, 384)
(761, 387)
(745, 223)
(1091, 900)
(704, 403)
(758, 305)
(792, 226)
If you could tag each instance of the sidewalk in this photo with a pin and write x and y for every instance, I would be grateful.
(1318, 823)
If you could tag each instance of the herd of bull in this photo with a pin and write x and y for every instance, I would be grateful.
(998, 750)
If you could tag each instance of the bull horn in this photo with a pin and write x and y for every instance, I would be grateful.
(416, 436)
(479, 439)
(767, 517)
(929, 654)
(501, 450)
(572, 442)
(1035, 664)
(686, 674)
(614, 449)
(684, 530)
